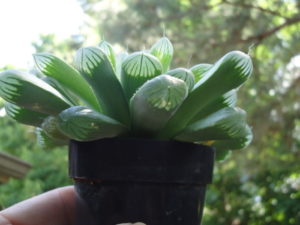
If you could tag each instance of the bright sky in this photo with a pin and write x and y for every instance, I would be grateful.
(21, 22)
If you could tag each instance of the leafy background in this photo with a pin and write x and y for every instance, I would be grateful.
(256, 186)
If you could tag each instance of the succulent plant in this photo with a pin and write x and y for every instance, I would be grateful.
(131, 95)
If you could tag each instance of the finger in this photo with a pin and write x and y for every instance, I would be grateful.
(54, 207)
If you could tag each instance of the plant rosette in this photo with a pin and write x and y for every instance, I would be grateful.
(142, 137)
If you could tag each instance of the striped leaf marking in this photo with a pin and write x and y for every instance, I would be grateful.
(83, 124)
(227, 123)
(47, 142)
(185, 75)
(164, 92)
(63, 91)
(108, 50)
(163, 50)
(119, 61)
(229, 99)
(28, 91)
(228, 73)
(66, 76)
(199, 70)
(88, 59)
(51, 127)
(137, 68)
(240, 142)
(155, 102)
(95, 67)
(23, 115)
(141, 64)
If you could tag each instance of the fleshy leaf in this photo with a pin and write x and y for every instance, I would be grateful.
(23, 115)
(222, 155)
(109, 51)
(46, 142)
(67, 76)
(185, 75)
(228, 73)
(199, 70)
(51, 128)
(163, 50)
(227, 123)
(30, 92)
(155, 102)
(240, 142)
(137, 68)
(63, 91)
(227, 100)
(83, 124)
(119, 61)
(96, 68)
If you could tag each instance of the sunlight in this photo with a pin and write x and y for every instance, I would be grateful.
(22, 22)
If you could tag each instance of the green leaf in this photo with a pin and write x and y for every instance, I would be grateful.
(137, 68)
(46, 142)
(67, 76)
(30, 92)
(119, 61)
(227, 100)
(185, 75)
(222, 155)
(109, 51)
(63, 91)
(51, 128)
(155, 102)
(235, 143)
(228, 73)
(23, 115)
(83, 124)
(227, 123)
(199, 70)
(95, 67)
(163, 50)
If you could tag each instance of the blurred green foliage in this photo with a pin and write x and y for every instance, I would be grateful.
(49, 170)
(256, 186)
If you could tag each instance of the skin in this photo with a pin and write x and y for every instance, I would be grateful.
(55, 207)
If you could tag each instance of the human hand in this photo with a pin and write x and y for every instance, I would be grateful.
(55, 207)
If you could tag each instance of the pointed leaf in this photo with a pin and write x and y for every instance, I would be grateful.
(228, 73)
(163, 50)
(23, 115)
(51, 128)
(83, 124)
(31, 92)
(199, 70)
(227, 100)
(108, 50)
(155, 102)
(67, 76)
(95, 67)
(236, 143)
(222, 155)
(63, 91)
(46, 142)
(137, 69)
(185, 75)
(227, 123)
(119, 61)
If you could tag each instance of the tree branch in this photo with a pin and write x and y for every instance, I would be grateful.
(260, 37)
(248, 6)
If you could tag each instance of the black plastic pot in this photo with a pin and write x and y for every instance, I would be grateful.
(138, 180)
